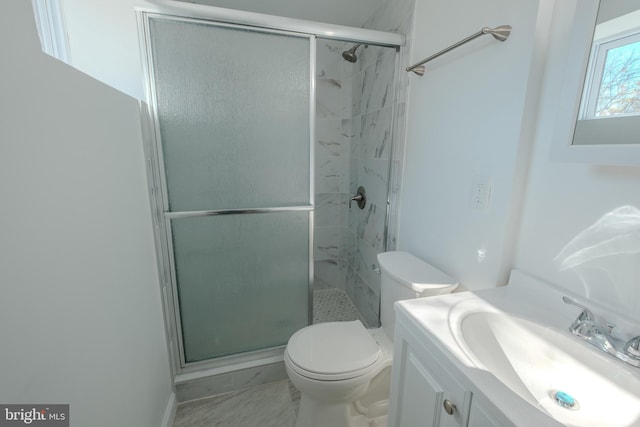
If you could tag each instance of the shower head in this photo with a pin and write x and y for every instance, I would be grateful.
(350, 55)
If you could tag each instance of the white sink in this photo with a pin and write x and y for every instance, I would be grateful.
(535, 361)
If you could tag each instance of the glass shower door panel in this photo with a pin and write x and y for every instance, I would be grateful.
(233, 106)
(242, 281)
(233, 112)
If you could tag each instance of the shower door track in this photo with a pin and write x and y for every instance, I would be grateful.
(271, 22)
(158, 193)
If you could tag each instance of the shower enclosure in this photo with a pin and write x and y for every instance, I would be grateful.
(259, 133)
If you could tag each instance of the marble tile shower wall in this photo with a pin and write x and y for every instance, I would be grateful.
(380, 102)
(354, 116)
(397, 17)
(370, 132)
(332, 153)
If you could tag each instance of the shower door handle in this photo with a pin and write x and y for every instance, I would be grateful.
(360, 198)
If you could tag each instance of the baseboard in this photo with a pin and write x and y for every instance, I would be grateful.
(170, 411)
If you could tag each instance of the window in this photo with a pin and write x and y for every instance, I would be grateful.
(613, 79)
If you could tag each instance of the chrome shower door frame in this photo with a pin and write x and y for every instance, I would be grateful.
(160, 203)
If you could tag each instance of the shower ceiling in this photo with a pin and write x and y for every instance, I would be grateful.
(341, 12)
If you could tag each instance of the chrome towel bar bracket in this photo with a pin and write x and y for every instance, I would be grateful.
(500, 33)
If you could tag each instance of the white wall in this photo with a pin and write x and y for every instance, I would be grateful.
(610, 9)
(103, 42)
(471, 114)
(563, 199)
(80, 312)
(478, 111)
(103, 37)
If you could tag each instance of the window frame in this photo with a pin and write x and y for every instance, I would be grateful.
(595, 70)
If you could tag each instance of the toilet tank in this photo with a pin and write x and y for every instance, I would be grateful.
(405, 276)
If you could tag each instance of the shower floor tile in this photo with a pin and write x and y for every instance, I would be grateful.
(266, 405)
(333, 305)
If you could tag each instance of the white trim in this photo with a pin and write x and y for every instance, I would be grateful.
(241, 17)
(170, 411)
(51, 28)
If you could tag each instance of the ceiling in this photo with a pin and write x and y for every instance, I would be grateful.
(353, 13)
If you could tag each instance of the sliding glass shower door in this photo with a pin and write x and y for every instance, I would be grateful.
(233, 108)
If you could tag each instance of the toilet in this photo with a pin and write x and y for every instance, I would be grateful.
(342, 369)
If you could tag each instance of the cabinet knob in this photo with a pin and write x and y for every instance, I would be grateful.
(449, 407)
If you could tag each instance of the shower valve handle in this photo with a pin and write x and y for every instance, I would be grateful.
(360, 198)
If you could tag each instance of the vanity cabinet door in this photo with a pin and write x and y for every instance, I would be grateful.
(478, 418)
(418, 396)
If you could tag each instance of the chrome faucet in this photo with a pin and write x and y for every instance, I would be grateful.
(586, 327)
(632, 347)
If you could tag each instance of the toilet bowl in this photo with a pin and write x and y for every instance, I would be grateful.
(343, 369)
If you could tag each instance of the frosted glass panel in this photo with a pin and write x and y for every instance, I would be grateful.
(233, 111)
(243, 281)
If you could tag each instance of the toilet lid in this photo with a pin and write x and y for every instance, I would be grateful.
(333, 348)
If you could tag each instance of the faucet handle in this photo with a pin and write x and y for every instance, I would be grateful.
(632, 348)
(586, 313)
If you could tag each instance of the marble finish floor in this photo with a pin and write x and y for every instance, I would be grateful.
(266, 405)
(332, 305)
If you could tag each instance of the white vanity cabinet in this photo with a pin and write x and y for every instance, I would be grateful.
(426, 392)
(479, 417)
(500, 356)
(420, 393)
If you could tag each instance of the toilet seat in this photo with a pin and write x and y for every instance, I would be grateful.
(333, 351)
